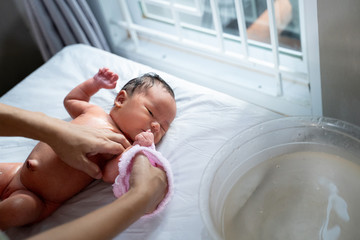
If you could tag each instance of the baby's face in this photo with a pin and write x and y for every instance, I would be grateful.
(153, 109)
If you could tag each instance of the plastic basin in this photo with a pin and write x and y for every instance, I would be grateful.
(290, 178)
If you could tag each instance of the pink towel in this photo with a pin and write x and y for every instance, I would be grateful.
(156, 159)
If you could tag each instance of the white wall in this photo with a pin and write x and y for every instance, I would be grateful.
(339, 36)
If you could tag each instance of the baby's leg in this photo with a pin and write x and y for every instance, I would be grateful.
(20, 208)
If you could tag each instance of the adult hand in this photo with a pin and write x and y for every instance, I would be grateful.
(149, 181)
(74, 143)
(147, 188)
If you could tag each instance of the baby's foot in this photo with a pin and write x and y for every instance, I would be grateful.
(106, 78)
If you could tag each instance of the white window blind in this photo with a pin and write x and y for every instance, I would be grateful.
(256, 50)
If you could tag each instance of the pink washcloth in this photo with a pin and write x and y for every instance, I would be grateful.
(156, 159)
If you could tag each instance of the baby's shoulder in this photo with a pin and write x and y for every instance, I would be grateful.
(94, 116)
(95, 110)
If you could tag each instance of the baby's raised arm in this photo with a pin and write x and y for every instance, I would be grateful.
(77, 101)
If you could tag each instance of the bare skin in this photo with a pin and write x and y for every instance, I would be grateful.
(73, 143)
(32, 190)
(147, 187)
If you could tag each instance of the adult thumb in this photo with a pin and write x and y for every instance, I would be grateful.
(91, 169)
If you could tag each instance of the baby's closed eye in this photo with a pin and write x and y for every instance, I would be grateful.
(150, 112)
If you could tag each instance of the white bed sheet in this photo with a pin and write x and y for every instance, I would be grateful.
(205, 120)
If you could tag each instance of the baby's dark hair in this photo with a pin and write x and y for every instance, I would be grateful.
(146, 81)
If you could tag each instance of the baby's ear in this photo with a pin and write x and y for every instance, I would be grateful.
(121, 98)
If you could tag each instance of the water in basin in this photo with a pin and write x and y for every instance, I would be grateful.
(289, 178)
(298, 195)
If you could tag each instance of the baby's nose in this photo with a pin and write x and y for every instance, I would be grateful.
(155, 127)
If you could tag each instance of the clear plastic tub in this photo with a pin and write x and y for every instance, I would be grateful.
(290, 178)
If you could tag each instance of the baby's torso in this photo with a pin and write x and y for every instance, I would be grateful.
(53, 180)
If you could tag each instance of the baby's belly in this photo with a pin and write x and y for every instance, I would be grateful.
(50, 178)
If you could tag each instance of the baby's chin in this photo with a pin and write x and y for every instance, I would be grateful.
(128, 137)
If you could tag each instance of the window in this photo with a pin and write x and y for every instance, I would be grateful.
(255, 50)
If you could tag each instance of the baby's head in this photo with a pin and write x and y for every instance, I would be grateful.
(146, 81)
(146, 102)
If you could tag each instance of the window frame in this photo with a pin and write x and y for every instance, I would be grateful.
(166, 54)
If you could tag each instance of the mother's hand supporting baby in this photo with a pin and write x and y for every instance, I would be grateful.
(73, 143)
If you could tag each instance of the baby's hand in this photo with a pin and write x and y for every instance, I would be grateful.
(106, 79)
(145, 139)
